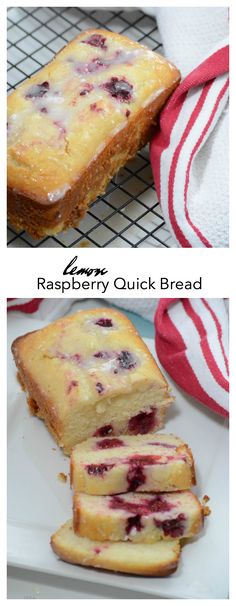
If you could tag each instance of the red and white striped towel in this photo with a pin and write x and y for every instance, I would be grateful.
(189, 153)
(192, 345)
(191, 340)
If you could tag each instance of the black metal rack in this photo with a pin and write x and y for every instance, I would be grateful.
(128, 214)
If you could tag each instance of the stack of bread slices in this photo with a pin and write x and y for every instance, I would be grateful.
(132, 504)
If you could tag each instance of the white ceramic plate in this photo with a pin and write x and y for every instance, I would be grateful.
(38, 503)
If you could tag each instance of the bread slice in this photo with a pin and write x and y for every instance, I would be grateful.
(142, 463)
(137, 517)
(160, 559)
(91, 374)
(74, 123)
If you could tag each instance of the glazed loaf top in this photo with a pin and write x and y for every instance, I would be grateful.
(62, 117)
(81, 359)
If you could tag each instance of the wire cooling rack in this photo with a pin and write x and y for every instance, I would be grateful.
(128, 214)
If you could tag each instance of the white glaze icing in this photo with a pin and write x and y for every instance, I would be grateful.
(118, 58)
(54, 101)
(57, 194)
(152, 97)
(62, 104)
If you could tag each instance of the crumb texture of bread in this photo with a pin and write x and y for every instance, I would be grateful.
(136, 517)
(74, 123)
(142, 463)
(91, 374)
(148, 560)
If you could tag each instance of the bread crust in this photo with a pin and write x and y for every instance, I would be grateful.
(40, 217)
(38, 405)
(74, 556)
(194, 481)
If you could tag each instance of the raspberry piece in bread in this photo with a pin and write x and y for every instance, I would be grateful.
(72, 125)
(158, 463)
(91, 374)
(158, 560)
(137, 517)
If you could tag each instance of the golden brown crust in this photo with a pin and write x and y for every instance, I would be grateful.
(71, 471)
(76, 513)
(194, 482)
(198, 524)
(41, 219)
(154, 571)
(21, 382)
(38, 406)
(184, 448)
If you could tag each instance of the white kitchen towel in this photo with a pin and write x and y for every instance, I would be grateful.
(189, 153)
(191, 338)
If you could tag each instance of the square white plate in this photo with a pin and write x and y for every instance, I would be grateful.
(38, 503)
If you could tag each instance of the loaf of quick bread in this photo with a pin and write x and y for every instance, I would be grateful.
(107, 466)
(74, 123)
(159, 559)
(137, 517)
(90, 374)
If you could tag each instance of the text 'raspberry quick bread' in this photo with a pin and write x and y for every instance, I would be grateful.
(91, 374)
(158, 463)
(72, 125)
(141, 518)
(150, 560)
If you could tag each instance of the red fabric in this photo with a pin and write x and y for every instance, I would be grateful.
(171, 351)
(29, 307)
